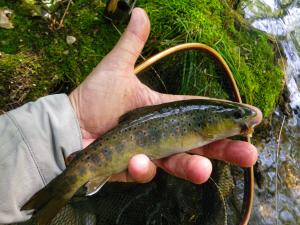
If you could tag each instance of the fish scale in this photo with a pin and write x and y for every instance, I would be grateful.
(157, 131)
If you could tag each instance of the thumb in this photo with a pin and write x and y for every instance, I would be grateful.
(127, 50)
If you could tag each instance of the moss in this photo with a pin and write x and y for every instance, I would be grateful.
(249, 53)
(20, 79)
(59, 66)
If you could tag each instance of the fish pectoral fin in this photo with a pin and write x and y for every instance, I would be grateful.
(93, 186)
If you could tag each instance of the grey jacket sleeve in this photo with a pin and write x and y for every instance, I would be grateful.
(33, 142)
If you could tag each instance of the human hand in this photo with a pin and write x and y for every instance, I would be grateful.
(112, 89)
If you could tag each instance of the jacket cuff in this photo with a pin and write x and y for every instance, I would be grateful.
(51, 131)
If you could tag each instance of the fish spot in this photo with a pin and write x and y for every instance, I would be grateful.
(72, 179)
(82, 171)
(93, 168)
(139, 139)
(96, 159)
(119, 148)
(107, 153)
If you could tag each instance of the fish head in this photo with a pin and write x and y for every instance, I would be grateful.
(221, 119)
(236, 118)
(246, 116)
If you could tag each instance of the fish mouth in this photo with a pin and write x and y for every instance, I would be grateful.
(255, 118)
(247, 131)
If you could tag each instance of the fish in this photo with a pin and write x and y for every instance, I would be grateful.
(157, 131)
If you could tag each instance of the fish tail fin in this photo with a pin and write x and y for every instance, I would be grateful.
(40, 199)
(50, 210)
(48, 201)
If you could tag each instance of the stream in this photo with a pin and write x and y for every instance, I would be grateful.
(277, 201)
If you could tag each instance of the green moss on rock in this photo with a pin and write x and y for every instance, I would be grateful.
(250, 53)
(57, 66)
(20, 79)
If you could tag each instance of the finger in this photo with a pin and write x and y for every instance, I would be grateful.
(131, 43)
(140, 169)
(194, 168)
(237, 152)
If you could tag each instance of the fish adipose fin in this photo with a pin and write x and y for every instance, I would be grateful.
(93, 186)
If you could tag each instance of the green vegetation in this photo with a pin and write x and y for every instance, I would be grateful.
(37, 50)
(249, 53)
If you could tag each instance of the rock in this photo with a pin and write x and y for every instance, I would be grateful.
(70, 40)
(5, 15)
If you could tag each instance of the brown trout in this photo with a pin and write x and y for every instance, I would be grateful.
(157, 131)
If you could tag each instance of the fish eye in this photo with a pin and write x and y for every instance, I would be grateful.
(238, 114)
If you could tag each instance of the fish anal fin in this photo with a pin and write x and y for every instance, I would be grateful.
(93, 186)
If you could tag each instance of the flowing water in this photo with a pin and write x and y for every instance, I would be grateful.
(277, 201)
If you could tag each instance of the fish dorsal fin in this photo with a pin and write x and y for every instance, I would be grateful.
(139, 113)
(93, 186)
